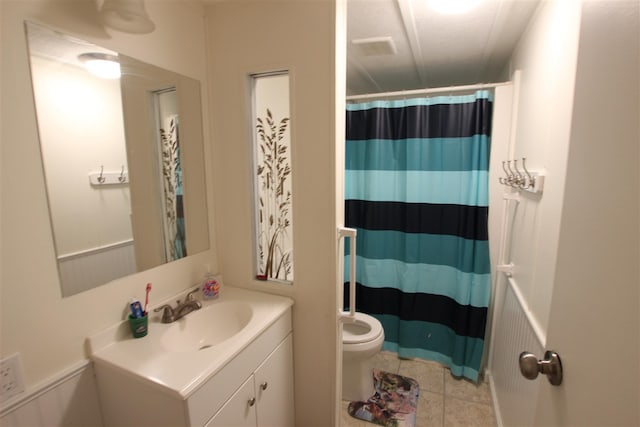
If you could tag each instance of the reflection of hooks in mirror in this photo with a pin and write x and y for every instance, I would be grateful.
(101, 178)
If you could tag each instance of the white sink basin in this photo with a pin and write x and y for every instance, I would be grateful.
(178, 357)
(207, 327)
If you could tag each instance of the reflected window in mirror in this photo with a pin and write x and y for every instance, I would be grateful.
(101, 142)
(170, 167)
(272, 177)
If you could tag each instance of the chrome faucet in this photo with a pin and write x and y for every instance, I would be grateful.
(170, 314)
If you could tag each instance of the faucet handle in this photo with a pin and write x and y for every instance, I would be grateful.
(190, 294)
(168, 315)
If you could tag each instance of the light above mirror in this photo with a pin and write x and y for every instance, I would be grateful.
(126, 190)
(101, 64)
(129, 16)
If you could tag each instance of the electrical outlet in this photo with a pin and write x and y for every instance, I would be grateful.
(11, 378)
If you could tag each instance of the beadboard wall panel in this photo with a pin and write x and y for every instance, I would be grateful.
(514, 396)
(69, 400)
(86, 270)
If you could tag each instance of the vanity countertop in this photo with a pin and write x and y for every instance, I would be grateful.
(181, 371)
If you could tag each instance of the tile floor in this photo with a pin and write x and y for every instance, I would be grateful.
(444, 401)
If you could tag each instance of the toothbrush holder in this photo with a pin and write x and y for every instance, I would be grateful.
(139, 325)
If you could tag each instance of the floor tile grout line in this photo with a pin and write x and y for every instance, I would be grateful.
(444, 396)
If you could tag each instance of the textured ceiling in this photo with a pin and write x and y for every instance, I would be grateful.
(431, 49)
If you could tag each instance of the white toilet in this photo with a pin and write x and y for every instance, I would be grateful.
(361, 340)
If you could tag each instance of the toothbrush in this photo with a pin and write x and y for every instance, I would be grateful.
(146, 299)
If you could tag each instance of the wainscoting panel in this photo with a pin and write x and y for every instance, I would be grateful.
(69, 400)
(91, 268)
(514, 396)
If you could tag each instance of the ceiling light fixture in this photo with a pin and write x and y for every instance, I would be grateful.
(128, 16)
(453, 7)
(101, 64)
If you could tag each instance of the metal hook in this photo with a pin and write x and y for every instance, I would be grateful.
(511, 178)
(501, 180)
(101, 178)
(531, 181)
(122, 178)
(519, 180)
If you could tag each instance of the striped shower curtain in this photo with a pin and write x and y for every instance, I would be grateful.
(417, 193)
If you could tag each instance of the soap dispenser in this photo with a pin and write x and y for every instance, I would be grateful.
(210, 286)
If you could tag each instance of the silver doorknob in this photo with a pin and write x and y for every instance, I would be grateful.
(551, 366)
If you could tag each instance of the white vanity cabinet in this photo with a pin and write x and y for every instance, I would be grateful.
(265, 399)
(245, 380)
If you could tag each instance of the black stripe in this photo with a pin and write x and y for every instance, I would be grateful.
(465, 320)
(469, 222)
(421, 121)
(179, 206)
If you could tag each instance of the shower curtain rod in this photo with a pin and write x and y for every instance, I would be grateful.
(425, 91)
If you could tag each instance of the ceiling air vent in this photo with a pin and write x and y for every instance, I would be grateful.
(375, 46)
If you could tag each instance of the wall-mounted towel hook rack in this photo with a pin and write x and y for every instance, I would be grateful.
(529, 181)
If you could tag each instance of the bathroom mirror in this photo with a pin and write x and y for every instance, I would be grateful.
(123, 158)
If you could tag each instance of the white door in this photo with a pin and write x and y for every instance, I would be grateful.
(594, 323)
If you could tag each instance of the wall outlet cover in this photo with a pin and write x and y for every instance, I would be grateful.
(11, 377)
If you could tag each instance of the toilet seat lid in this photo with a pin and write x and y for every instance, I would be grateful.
(365, 328)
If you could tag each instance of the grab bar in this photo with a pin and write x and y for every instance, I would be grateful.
(351, 233)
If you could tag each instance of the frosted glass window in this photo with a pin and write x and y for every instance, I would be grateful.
(272, 177)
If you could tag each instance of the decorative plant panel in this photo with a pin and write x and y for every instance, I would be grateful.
(272, 179)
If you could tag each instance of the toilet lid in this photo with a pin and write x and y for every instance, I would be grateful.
(365, 328)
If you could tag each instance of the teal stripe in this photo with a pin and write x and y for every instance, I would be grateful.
(456, 188)
(399, 103)
(433, 154)
(433, 341)
(465, 288)
(468, 256)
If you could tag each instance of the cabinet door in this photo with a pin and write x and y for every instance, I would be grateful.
(239, 410)
(274, 387)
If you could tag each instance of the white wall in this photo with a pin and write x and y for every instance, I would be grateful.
(256, 36)
(47, 330)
